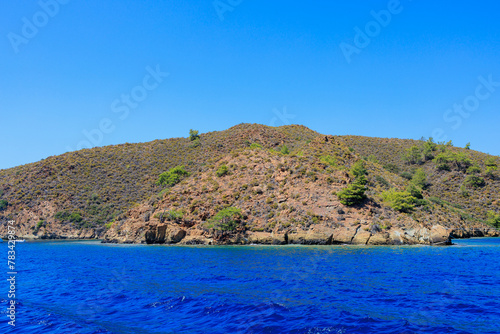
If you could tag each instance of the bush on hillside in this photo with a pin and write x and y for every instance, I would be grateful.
(193, 134)
(493, 219)
(419, 179)
(222, 171)
(475, 181)
(353, 194)
(172, 176)
(358, 169)
(399, 201)
(226, 219)
(284, 150)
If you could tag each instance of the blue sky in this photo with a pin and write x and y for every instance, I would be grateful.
(100, 68)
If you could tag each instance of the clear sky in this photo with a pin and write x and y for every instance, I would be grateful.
(119, 71)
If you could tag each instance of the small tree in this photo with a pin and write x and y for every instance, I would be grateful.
(414, 191)
(172, 176)
(493, 219)
(226, 219)
(358, 169)
(467, 146)
(193, 134)
(413, 155)
(352, 194)
(419, 179)
(400, 201)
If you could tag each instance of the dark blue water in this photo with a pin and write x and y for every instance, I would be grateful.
(87, 287)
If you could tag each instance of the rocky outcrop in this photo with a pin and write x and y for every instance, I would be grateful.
(164, 234)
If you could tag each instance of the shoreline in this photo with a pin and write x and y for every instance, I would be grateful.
(103, 242)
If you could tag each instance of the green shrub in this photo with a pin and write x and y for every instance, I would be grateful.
(3, 204)
(413, 156)
(445, 160)
(463, 191)
(284, 150)
(222, 171)
(414, 191)
(73, 217)
(406, 175)
(399, 201)
(172, 176)
(39, 225)
(428, 149)
(475, 181)
(255, 146)
(174, 215)
(193, 134)
(352, 194)
(491, 162)
(226, 219)
(473, 170)
(195, 143)
(108, 225)
(358, 169)
(328, 160)
(493, 219)
(419, 179)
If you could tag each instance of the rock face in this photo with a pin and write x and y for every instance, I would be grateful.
(161, 234)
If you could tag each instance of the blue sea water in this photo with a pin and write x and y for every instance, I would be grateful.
(88, 287)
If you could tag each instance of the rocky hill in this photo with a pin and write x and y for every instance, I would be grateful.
(257, 184)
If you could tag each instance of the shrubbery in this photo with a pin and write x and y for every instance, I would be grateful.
(493, 219)
(475, 181)
(358, 169)
(72, 217)
(400, 201)
(3, 204)
(419, 179)
(225, 220)
(353, 194)
(328, 160)
(193, 135)
(447, 160)
(222, 171)
(172, 176)
(284, 150)
(255, 146)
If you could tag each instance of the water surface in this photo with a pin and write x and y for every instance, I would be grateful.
(88, 287)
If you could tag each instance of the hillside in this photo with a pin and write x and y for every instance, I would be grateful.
(283, 184)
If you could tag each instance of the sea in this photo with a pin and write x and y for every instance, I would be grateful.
(88, 287)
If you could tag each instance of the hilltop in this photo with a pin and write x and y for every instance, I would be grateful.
(257, 184)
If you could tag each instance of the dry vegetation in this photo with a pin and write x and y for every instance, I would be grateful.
(280, 178)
